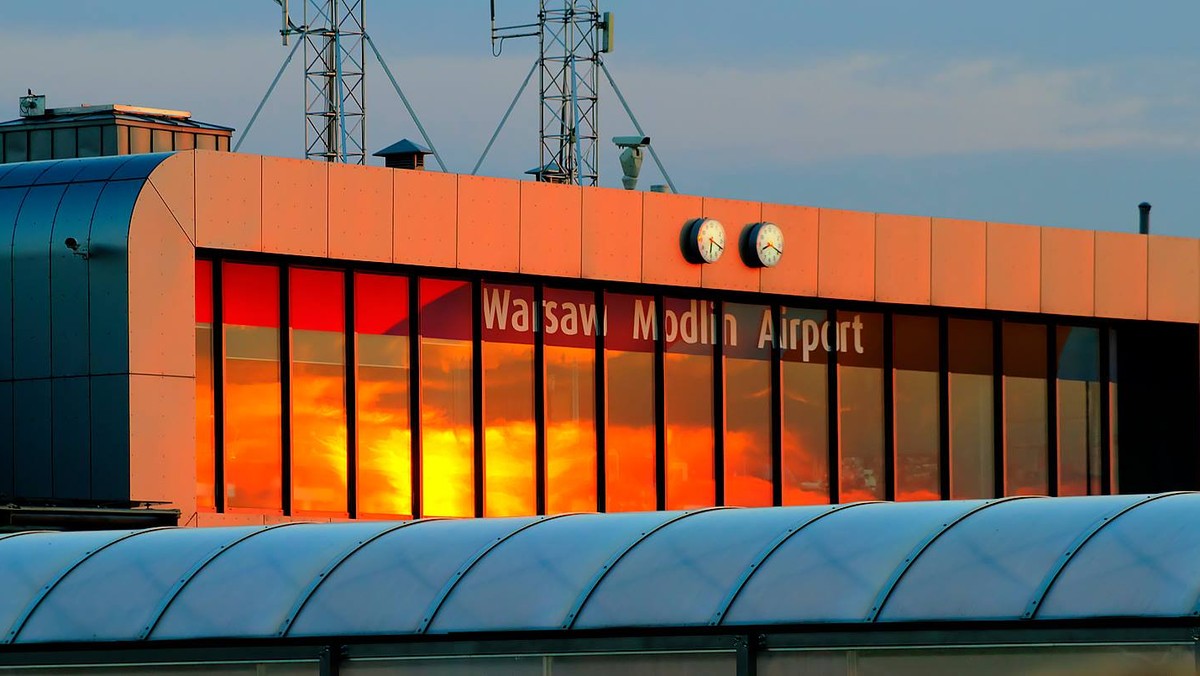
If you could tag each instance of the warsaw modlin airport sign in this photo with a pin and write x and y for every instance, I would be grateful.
(629, 323)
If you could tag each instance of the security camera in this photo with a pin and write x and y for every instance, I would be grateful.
(75, 247)
(631, 141)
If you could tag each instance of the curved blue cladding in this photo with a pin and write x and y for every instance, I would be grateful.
(1074, 559)
(64, 325)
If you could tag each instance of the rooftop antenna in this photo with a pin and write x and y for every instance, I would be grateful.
(572, 35)
(333, 34)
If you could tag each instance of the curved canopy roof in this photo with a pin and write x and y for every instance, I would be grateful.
(1013, 559)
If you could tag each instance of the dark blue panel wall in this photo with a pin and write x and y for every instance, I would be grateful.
(71, 463)
(31, 282)
(69, 354)
(31, 439)
(110, 437)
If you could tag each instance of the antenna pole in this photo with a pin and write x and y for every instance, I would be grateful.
(263, 102)
(638, 127)
(412, 113)
(503, 120)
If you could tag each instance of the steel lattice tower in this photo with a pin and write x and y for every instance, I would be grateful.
(334, 38)
(569, 65)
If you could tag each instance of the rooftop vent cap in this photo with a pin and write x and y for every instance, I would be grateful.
(550, 173)
(33, 105)
(404, 154)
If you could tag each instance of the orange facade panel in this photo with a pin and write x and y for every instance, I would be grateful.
(1014, 267)
(1173, 290)
(229, 201)
(796, 273)
(161, 296)
(902, 255)
(663, 219)
(424, 218)
(489, 224)
(1068, 272)
(360, 213)
(551, 229)
(1121, 276)
(295, 195)
(958, 268)
(162, 439)
(612, 219)
(846, 246)
(175, 181)
(730, 271)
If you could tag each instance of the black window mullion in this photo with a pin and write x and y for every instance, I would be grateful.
(718, 401)
(660, 406)
(944, 406)
(285, 389)
(351, 375)
(218, 360)
(1052, 409)
(889, 411)
(539, 400)
(477, 390)
(999, 471)
(1106, 347)
(601, 404)
(777, 408)
(414, 391)
(835, 456)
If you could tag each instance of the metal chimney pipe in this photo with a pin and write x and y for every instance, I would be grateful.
(1144, 218)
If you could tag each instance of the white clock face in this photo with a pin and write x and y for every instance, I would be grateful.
(710, 240)
(768, 244)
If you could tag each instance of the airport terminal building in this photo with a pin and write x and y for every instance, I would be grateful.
(259, 343)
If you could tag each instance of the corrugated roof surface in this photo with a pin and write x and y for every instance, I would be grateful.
(1024, 559)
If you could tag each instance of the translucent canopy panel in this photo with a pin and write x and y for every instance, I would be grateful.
(1017, 560)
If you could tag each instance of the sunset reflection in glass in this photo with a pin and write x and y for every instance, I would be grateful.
(805, 407)
(509, 442)
(629, 432)
(382, 424)
(748, 476)
(317, 316)
(253, 415)
(447, 430)
(570, 323)
(206, 454)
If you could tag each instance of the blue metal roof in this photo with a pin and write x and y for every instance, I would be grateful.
(1019, 560)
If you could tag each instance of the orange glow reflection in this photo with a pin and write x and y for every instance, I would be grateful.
(253, 426)
(206, 458)
(509, 473)
(805, 434)
(748, 433)
(691, 479)
(318, 435)
(570, 430)
(447, 438)
(383, 433)
(630, 434)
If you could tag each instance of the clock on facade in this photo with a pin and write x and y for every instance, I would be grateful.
(703, 240)
(762, 245)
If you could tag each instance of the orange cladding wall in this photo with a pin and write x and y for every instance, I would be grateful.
(1121, 275)
(846, 250)
(903, 246)
(1013, 267)
(611, 220)
(551, 230)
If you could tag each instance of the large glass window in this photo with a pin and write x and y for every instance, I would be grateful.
(630, 443)
(915, 398)
(749, 338)
(570, 322)
(317, 314)
(253, 416)
(206, 452)
(1113, 455)
(689, 332)
(805, 366)
(1078, 383)
(858, 338)
(509, 446)
(1025, 424)
(447, 430)
(972, 446)
(382, 428)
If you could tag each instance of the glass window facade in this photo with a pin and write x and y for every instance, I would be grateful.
(509, 443)
(317, 318)
(447, 419)
(253, 408)
(540, 399)
(383, 431)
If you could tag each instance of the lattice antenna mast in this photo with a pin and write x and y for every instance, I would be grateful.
(334, 37)
(569, 36)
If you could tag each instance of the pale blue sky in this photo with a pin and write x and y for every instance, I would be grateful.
(1058, 112)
